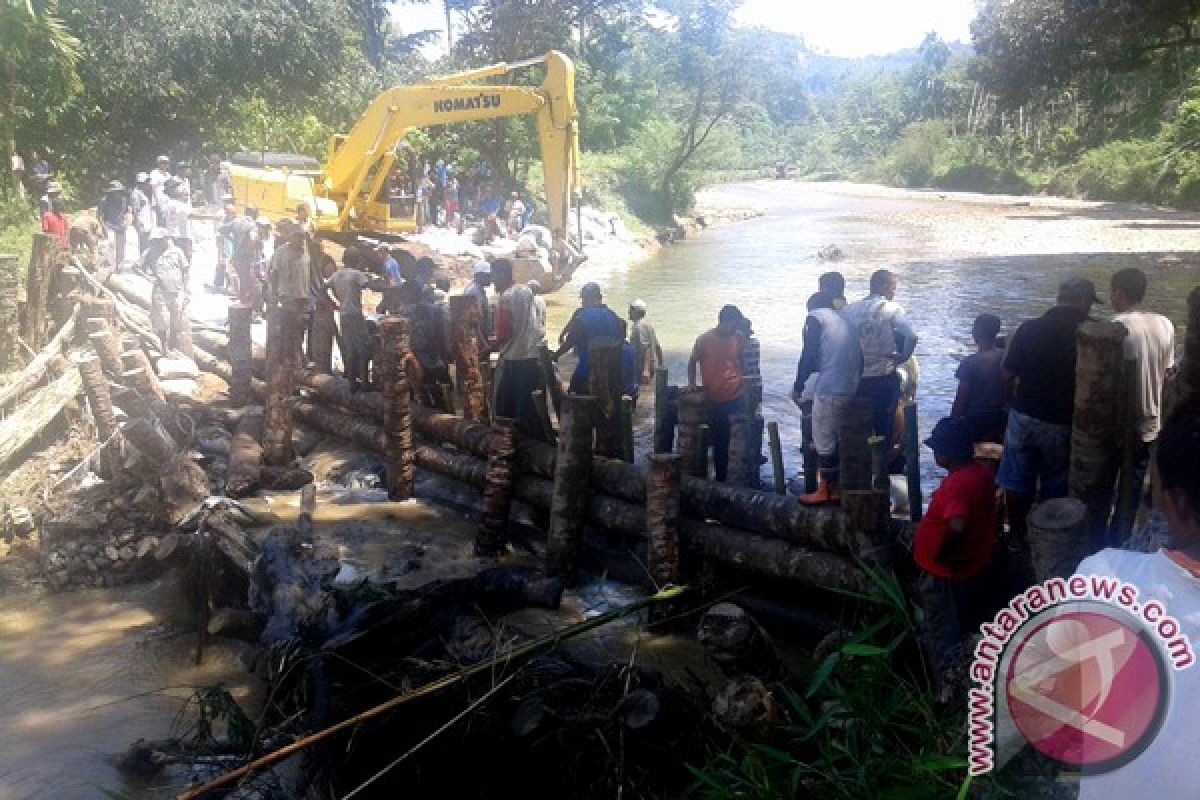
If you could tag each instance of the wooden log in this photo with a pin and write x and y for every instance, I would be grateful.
(10, 331)
(397, 417)
(278, 449)
(101, 307)
(774, 558)
(1189, 374)
(773, 515)
(778, 476)
(498, 488)
(743, 461)
(95, 386)
(912, 462)
(152, 441)
(320, 339)
(42, 261)
(1096, 423)
(664, 428)
(662, 518)
(20, 428)
(693, 413)
(464, 324)
(139, 374)
(854, 455)
(572, 488)
(240, 349)
(867, 534)
(245, 455)
(605, 384)
(107, 347)
(36, 372)
(1058, 537)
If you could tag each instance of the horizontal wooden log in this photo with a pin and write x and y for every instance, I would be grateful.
(35, 373)
(19, 429)
(753, 553)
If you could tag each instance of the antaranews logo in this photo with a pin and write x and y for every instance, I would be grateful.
(1080, 667)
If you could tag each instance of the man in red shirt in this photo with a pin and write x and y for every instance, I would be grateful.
(953, 545)
(55, 223)
(718, 353)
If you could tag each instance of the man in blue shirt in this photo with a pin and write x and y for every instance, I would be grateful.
(592, 320)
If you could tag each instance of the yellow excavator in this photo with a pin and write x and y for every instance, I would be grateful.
(369, 185)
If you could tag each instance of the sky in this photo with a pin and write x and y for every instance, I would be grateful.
(838, 27)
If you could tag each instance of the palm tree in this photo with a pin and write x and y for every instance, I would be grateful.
(36, 48)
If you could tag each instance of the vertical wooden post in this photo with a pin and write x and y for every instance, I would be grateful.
(854, 455)
(627, 451)
(572, 492)
(663, 479)
(498, 488)
(241, 355)
(1127, 491)
(779, 478)
(1058, 537)
(37, 288)
(397, 408)
(277, 416)
(464, 320)
(1096, 424)
(808, 450)
(95, 386)
(604, 354)
(664, 430)
(105, 343)
(320, 340)
(912, 462)
(1189, 373)
(10, 267)
(139, 375)
(693, 413)
(743, 464)
(754, 395)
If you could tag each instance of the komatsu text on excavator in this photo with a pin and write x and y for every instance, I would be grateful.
(352, 196)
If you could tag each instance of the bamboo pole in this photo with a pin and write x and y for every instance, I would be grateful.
(515, 657)
(778, 477)
(498, 488)
(572, 482)
(397, 417)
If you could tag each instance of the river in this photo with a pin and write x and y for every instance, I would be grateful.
(957, 255)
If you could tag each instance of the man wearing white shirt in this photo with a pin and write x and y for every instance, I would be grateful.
(1150, 343)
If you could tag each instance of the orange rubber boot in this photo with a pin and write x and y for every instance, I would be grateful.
(823, 495)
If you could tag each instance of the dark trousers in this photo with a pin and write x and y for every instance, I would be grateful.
(718, 432)
(953, 609)
(883, 393)
(516, 380)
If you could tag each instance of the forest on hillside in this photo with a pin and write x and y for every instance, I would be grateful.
(1100, 100)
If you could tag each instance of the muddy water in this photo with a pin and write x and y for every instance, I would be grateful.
(957, 256)
(83, 675)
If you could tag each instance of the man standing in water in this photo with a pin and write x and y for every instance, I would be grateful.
(1037, 439)
(887, 342)
(718, 354)
(831, 350)
(592, 320)
(345, 288)
(518, 335)
(647, 352)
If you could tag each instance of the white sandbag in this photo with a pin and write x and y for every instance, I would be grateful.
(176, 367)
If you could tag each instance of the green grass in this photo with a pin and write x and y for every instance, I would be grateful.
(18, 224)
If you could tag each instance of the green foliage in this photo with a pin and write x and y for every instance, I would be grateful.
(861, 722)
(18, 224)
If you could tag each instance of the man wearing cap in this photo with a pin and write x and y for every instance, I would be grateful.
(592, 320)
(953, 544)
(647, 353)
(141, 206)
(832, 352)
(982, 396)
(481, 278)
(53, 192)
(518, 336)
(718, 354)
(167, 268)
(245, 254)
(112, 210)
(1150, 343)
(1037, 439)
(290, 282)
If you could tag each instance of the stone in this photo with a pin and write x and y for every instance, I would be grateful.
(112, 553)
(128, 553)
(146, 546)
(126, 538)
